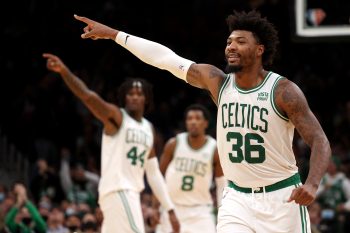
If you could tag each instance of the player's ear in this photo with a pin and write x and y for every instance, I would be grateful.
(260, 50)
(206, 124)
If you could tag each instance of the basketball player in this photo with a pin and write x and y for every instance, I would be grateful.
(190, 161)
(127, 151)
(257, 113)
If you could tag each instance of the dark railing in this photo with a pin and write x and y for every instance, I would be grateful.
(13, 165)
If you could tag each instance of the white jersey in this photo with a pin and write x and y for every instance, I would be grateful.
(189, 175)
(254, 138)
(124, 155)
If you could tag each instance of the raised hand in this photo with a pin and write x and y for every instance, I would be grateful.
(95, 30)
(21, 194)
(54, 63)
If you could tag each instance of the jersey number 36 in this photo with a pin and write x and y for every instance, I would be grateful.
(238, 154)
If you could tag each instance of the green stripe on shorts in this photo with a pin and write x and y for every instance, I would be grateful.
(302, 210)
(128, 211)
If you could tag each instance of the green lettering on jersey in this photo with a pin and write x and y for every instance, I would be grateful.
(224, 123)
(187, 183)
(133, 156)
(244, 116)
(263, 114)
(254, 108)
(236, 116)
(189, 165)
(248, 117)
(237, 156)
(230, 114)
(253, 153)
(138, 136)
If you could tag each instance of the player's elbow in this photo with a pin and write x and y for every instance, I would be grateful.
(88, 97)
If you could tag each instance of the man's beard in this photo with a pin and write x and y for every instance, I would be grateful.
(233, 68)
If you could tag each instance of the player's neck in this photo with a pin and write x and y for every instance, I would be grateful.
(196, 142)
(137, 116)
(250, 78)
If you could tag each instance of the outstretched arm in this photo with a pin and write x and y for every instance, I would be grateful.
(159, 189)
(220, 180)
(157, 183)
(291, 101)
(108, 113)
(203, 76)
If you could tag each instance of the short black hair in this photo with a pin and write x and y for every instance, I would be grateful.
(128, 84)
(198, 107)
(263, 31)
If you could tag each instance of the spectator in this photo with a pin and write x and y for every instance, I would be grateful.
(46, 183)
(3, 205)
(79, 185)
(55, 222)
(334, 196)
(24, 216)
(44, 207)
(89, 223)
(315, 217)
(73, 223)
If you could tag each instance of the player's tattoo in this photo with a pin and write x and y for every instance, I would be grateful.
(75, 84)
(194, 73)
(298, 111)
(215, 73)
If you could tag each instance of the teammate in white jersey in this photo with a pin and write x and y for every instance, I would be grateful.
(127, 151)
(254, 127)
(190, 162)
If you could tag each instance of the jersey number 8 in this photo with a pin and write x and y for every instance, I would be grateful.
(187, 183)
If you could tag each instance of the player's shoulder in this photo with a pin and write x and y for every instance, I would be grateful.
(177, 139)
(211, 142)
(210, 138)
(148, 122)
(171, 143)
(286, 85)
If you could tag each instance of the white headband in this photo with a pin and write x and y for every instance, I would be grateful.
(137, 84)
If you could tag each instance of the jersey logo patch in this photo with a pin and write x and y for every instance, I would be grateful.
(262, 96)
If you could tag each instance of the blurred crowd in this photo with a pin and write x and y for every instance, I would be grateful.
(61, 139)
(51, 206)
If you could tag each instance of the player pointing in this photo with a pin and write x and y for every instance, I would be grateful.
(257, 113)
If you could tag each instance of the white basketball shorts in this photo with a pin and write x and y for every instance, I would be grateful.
(193, 219)
(264, 212)
(122, 212)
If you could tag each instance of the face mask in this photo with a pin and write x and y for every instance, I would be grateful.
(45, 218)
(89, 226)
(73, 228)
(26, 221)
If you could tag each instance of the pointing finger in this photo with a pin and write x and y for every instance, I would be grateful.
(49, 55)
(83, 19)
